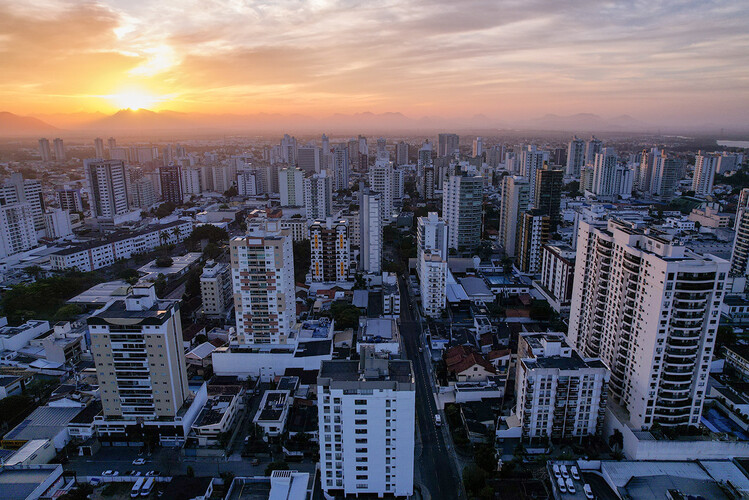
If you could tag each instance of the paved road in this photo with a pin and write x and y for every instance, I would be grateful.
(435, 464)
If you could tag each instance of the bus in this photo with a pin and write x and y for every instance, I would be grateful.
(147, 487)
(135, 491)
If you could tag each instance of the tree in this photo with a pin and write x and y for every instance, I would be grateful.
(725, 336)
(164, 261)
(231, 192)
(80, 492)
(616, 440)
(160, 285)
(33, 271)
(67, 313)
(474, 479)
(540, 310)
(208, 232)
(484, 250)
(129, 275)
(12, 408)
(485, 457)
(345, 315)
(164, 209)
(211, 251)
(192, 283)
(277, 465)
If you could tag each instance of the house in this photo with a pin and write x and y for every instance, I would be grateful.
(201, 355)
(466, 364)
(273, 411)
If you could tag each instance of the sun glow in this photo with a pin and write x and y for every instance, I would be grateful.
(134, 99)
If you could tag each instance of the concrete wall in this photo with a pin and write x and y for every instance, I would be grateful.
(261, 364)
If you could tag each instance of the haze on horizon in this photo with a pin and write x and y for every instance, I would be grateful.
(663, 62)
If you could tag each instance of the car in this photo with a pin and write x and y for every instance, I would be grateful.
(437, 420)
(563, 470)
(575, 473)
(588, 492)
(139, 461)
(153, 473)
(555, 468)
(421, 349)
(570, 485)
(562, 487)
(110, 473)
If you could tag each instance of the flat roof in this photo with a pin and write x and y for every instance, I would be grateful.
(44, 422)
(19, 483)
(102, 293)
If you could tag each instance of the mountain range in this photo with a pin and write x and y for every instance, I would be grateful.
(143, 121)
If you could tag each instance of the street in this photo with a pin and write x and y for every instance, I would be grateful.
(435, 463)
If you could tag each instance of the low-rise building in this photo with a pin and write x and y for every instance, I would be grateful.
(272, 413)
(381, 334)
(735, 310)
(216, 419)
(557, 276)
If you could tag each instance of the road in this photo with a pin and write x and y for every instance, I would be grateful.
(436, 465)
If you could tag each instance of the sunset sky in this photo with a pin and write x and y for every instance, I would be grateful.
(659, 61)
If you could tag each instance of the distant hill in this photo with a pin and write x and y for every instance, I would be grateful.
(12, 125)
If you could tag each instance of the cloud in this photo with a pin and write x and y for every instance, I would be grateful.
(657, 59)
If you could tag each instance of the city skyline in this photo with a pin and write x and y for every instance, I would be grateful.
(319, 58)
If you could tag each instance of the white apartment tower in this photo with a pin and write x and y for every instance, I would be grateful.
(432, 270)
(136, 343)
(108, 188)
(291, 184)
(381, 181)
(610, 179)
(592, 148)
(515, 200)
(531, 160)
(740, 254)
(401, 153)
(370, 217)
(59, 150)
(17, 233)
(705, 166)
(44, 150)
(560, 394)
(462, 210)
(575, 157)
(478, 147)
(262, 264)
(99, 147)
(308, 159)
(431, 234)
(649, 308)
(340, 167)
(216, 289)
(447, 144)
(330, 250)
(318, 196)
(366, 412)
(20, 190)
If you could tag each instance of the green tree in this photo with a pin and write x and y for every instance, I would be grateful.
(13, 408)
(67, 313)
(164, 261)
(302, 259)
(345, 315)
(211, 251)
(33, 271)
(160, 285)
(725, 336)
(231, 192)
(129, 275)
(277, 465)
(485, 457)
(208, 232)
(164, 209)
(192, 283)
(474, 479)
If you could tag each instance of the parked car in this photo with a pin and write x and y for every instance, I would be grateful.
(110, 473)
(139, 461)
(575, 473)
(588, 492)
(570, 485)
(562, 487)
(563, 469)
(437, 420)
(153, 473)
(555, 468)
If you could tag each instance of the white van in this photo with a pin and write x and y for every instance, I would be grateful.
(575, 473)
(562, 487)
(135, 491)
(588, 492)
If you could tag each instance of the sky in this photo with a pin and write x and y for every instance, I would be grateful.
(658, 61)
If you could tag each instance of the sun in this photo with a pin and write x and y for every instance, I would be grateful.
(134, 99)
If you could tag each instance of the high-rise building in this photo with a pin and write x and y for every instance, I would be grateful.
(366, 415)
(70, 199)
(728, 162)
(370, 222)
(144, 194)
(447, 144)
(592, 148)
(191, 182)
(57, 224)
(515, 201)
(425, 184)
(216, 289)
(308, 159)
(325, 153)
(401, 153)
(431, 234)
(17, 232)
(330, 250)
(20, 190)
(99, 147)
(478, 147)
(59, 150)
(462, 202)
(340, 167)
(611, 180)
(262, 263)
(665, 177)
(531, 160)
(382, 150)
(363, 154)
(111, 143)
(575, 157)
(424, 159)
(705, 166)
(649, 309)
(288, 150)
(399, 183)
(548, 195)
(291, 182)
(432, 271)
(533, 234)
(44, 150)
(318, 196)
(381, 181)
(560, 394)
(740, 254)
(107, 187)
(171, 183)
(557, 276)
(136, 343)
(644, 172)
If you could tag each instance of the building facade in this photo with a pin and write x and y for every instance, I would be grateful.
(462, 210)
(330, 250)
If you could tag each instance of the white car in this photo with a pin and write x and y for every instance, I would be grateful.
(563, 469)
(139, 461)
(570, 486)
(588, 492)
(555, 468)
(108, 473)
(437, 420)
(575, 473)
(562, 487)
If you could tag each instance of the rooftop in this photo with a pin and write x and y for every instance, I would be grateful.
(99, 295)
(353, 371)
(273, 405)
(20, 482)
